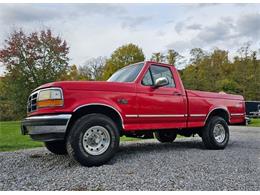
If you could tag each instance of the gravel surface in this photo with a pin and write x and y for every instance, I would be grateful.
(142, 165)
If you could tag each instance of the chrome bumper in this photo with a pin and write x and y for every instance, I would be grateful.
(46, 127)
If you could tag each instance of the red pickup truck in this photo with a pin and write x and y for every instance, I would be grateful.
(86, 118)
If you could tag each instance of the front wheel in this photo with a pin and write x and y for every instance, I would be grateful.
(215, 134)
(93, 140)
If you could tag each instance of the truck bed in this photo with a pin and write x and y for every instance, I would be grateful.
(201, 104)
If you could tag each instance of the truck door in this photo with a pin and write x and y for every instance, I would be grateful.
(160, 107)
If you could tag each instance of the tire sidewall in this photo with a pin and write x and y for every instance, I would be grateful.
(77, 133)
(214, 121)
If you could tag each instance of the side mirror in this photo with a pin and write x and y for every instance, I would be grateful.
(161, 81)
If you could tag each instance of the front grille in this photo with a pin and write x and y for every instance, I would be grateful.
(32, 102)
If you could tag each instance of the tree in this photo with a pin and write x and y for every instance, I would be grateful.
(197, 54)
(158, 57)
(6, 111)
(215, 72)
(31, 60)
(73, 73)
(172, 57)
(93, 69)
(255, 88)
(122, 56)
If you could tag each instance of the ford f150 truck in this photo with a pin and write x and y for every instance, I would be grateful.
(86, 118)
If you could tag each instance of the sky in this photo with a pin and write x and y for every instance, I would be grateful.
(93, 30)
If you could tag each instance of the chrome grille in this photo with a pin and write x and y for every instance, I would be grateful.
(32, 102)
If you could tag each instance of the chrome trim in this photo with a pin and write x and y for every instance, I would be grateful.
(131, 115)
(60, 116)
(237, 114)
(218, 108)
(160, 115)
(34, 130)
(198, 115)
(154, 115)
(101, 104)
(43, 128)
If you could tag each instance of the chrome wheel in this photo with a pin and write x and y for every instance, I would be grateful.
(219, 133)
(96, 140)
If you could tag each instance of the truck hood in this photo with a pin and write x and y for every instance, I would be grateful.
(90, 85)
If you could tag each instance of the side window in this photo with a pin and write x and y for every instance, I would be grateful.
(147, 80)
(162, 71)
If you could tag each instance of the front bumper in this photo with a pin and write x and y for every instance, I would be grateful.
(46, 128)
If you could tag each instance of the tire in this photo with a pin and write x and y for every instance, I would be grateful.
(56, 147)
(87, 145)
(165, 137)
(215, 134)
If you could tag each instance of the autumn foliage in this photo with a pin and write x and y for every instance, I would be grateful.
(29, 61)
(41, 57)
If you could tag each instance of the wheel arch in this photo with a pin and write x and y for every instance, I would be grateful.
(219, 111)
(100, 108)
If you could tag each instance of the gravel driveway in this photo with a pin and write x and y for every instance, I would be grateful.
(142, 165)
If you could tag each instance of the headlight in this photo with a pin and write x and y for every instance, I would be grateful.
(50, 97)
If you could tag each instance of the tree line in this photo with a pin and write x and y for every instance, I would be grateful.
(33, 59)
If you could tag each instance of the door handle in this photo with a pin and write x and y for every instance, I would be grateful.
(176, 93)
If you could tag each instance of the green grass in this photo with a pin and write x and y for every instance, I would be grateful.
(124, 138)
(11, 138)
(255, 122)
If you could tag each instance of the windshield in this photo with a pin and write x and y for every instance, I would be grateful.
(126, 74)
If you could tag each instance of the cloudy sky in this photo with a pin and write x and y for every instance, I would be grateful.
(93, 30)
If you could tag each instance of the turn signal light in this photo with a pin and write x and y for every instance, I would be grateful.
(49, 103)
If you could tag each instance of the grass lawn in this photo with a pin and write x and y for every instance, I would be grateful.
(11, 138)
(255, 122)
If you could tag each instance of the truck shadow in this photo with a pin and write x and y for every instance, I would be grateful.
(154, 146)
(128, 150)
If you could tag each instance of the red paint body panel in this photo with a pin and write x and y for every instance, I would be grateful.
(147, 108)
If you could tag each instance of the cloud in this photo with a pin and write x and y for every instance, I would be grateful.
(179, 27)
(28, 13)
(22, 13)
(97, 29)
(133, 22)
(249, 25)
(226, 31)
(208, 4)
(218, 32)
(194, 27)
(96, 9)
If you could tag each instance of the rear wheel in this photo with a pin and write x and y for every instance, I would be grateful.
(165, 137)
(215, 134)
(56, 147)
(93, 140)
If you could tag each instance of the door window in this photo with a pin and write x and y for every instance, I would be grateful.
(156, 72)
(147, 80)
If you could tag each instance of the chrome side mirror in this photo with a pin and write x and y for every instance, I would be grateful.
(161, 81)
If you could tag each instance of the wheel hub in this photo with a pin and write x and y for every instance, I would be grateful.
(96, 140)
(219, 133)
